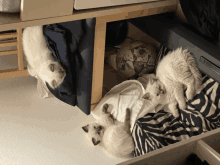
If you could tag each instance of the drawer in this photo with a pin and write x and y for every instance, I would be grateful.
(32, 9)
(206, 146)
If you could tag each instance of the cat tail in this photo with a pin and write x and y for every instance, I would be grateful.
(119, 143)
(193, 68)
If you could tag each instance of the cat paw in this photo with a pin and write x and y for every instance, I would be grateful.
(189, 95)
(182, 106)
(105, 108)
(176, 114)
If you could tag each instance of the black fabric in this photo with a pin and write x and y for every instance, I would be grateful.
(193, 159)
(204, 15)
(72, 44)
(205, 163)
(173, 34)
(116, 32)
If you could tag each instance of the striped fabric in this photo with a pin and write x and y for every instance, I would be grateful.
(155, 130)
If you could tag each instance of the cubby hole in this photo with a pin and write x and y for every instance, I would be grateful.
(111, 75)
(214, 142)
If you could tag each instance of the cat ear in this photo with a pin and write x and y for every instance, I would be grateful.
(95, 142)
(152, 79)
(105, 108)
(54, 83)
(86, 128)
(146, 96)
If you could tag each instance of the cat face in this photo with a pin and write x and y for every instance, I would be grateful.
(95, 132)
(154, 89)
(52, 73)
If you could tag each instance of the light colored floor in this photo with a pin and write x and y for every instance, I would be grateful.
(35, 131)
(42, 131)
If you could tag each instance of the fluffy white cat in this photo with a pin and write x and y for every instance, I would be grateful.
(40, 61)
(176, 72)
(115, 137)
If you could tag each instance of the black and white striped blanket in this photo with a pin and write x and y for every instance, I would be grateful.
(156, 130)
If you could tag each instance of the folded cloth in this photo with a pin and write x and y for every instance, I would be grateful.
(127, 94)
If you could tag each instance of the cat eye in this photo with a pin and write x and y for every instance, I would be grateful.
(52, 67)
(146, 96)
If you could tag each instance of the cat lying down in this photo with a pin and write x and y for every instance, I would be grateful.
(114, 136)
(41, 63)
(176, 72)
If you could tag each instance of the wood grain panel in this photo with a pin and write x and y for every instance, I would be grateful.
(13, 73)
(20, 50)
(98, 61)
(32, 9)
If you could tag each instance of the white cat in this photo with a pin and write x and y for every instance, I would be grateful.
(39, 58)
(176, 72)
(115, 137)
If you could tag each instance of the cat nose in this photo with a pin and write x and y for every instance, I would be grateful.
(99, 128)
(162, 91)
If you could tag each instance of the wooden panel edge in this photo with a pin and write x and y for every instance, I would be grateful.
(20, 50)
(98, 61)
(9, 43)
(205, 152)
(41, 9)
(92, 107)
(8, 35)
(10, 73)
(154, 155)
(139, 13)
(8, 52)
(15, 23)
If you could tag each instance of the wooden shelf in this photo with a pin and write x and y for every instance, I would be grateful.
(13, 21)
(9, 43)
(175, 154)
(8, 52)
(13, 73)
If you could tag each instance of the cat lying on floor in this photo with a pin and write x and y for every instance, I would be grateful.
(176, 72)
(114, 136)
(40, 61)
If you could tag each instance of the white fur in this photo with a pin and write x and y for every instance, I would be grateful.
(176, 71)
(114, 137)
(39, 57)
(117, 142)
